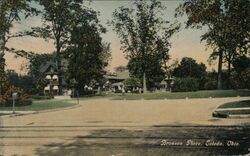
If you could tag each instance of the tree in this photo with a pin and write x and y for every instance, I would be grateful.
(24, 82)
(144, 34)
(228, 27)
(153, 70)
(188, 67)
(87, 54)
(59, 17)
(6, 94)
(132, 82)
(241, 63)
(241, 72)
(10, 12)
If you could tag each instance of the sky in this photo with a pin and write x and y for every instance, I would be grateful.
(185, 43)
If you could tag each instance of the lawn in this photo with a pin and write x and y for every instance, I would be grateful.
(235, 112)
(238, 104)
(1, 114)
(183, 95)
(41, 105)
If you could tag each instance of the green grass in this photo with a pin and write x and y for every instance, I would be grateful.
(2, 114)
(238, 104)
(109, 95)
(41, 105)
(182, 95)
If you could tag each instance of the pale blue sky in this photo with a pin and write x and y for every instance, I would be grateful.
(184, 43)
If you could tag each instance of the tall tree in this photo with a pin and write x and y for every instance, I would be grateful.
(10, 12)
(59, 17)
(228, 27)
(87, 54)
(144, 34)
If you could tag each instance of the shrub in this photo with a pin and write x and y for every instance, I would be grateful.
(38, 97)
(185, 84)
(6, 91)
(18, 102)
(210, 85)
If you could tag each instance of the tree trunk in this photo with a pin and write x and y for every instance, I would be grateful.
(2, 51)
(219, 84)
(59, 70)
(2, 63)
(59, 75)
(144, 83)
(229, 74)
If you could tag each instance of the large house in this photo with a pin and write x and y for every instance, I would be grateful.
(50, 72)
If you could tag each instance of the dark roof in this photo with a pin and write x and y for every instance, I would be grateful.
(118, 76)
(45, 67)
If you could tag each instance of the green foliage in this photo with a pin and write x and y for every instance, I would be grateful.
(241, 72)
(59, 17)
(237, 104)
(10, 11)
(188, 67)
(24, 82)
(87, 55)
(132, 82)
(210, 85)
(6, 91)
(155, 73)
(185, 84)
(241, 63)
(37, 97)
(240, 81)
(144, 35)
(19, 102)
(228, 27)
(43, 105)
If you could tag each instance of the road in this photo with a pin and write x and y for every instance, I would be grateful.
(127, 128)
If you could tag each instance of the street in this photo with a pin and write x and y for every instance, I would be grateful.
(127, 128)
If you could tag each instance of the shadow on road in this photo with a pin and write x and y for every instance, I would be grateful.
(155, 141)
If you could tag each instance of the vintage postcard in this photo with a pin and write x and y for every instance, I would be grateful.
(124, 77)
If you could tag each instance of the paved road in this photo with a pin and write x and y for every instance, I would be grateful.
(125, 141)
(127, 128)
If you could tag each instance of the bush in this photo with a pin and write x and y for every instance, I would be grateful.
(18, 102)
(38, 97)
(210, 85)
(6, 91)
(185, 84)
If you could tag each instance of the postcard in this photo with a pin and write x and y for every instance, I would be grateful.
(124, 78)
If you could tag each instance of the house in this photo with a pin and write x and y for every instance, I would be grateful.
(114, 81)
(50, 72)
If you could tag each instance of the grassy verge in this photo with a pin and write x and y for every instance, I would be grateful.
(182, 95)
(238, 104)
(41, 105)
